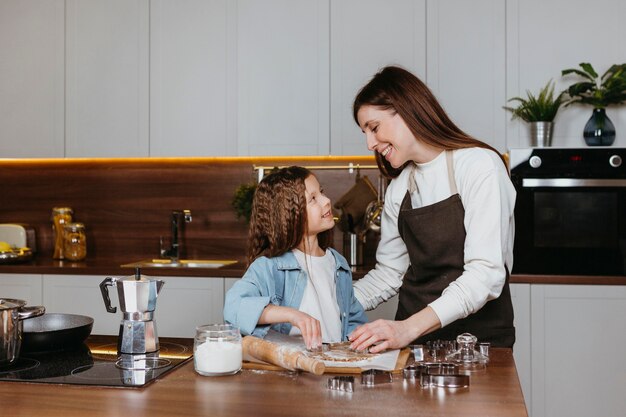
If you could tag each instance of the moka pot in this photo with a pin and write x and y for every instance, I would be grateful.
(137, 299)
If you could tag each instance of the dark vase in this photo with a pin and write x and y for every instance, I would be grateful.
(599, 130)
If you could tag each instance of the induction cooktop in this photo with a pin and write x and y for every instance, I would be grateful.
(97, 363)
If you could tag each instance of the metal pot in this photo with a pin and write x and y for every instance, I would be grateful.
(12, 312)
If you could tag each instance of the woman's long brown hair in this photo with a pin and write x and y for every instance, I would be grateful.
(394, 88)
(279, 219)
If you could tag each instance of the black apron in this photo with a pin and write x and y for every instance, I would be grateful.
(435, 239)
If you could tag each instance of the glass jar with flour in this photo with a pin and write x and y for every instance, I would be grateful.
(217, 350)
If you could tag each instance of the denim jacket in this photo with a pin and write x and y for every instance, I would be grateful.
(281, 281)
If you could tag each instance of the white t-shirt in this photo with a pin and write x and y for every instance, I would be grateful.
(320, 295)
(488, 197)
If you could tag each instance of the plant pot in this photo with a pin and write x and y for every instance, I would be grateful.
(541, 134)
(599, 130)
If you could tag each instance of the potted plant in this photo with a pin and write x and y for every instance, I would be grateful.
(539, 111)
(242, 201)
(599, 92)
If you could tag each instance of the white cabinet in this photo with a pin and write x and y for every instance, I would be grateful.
(192, 78)
(364, 37)
(27, 287)
(543, 38)
(385, 311)
(107, 73)
(283, 77)
(185, 303)
(182, 304)
(520, 296)
(466, 65)
(578, 361)
(32, 78)
(80, 294)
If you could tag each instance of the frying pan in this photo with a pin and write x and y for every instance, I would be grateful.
(55, 331)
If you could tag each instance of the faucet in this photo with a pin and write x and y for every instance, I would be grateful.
(179, 218)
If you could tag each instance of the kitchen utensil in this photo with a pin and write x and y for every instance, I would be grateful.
(16, 255)
(18, 235)
(373, 377)
(418, 352)
(282, 356)
(12, 312)
(137, 297)
(354, 202)
(353, 248)
(55, 331)
(374, 210)
(444, 381)
(341, 383)
(467, 357)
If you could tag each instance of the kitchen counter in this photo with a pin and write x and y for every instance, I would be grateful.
(108, 266)
(493, 392)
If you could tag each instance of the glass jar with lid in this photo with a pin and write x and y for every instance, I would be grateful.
(74, 242)
(217, 350)
(60, 217)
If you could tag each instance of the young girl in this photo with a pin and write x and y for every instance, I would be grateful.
(295, 283)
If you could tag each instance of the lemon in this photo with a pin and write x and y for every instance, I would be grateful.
(5, 247)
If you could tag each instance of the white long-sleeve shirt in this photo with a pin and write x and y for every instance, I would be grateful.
(488, 197)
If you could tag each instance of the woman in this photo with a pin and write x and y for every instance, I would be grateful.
(447, 227)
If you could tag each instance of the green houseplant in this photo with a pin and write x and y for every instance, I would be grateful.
(599, 92)
(540, 111)
(242, 201)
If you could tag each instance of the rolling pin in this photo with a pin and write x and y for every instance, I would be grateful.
(282, 356)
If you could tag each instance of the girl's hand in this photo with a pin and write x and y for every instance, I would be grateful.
(309, 327)
(385, 334)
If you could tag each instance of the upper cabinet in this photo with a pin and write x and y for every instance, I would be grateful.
(364, 37)
(136, 78)
(466, 65)
(283, 77)
(32, 78)
(107, 76)
(545, 37)
(192, 78)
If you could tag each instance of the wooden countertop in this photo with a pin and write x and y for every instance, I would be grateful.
(111, 267)
(493, 392)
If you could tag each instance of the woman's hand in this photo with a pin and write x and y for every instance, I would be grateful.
(384, 334)
(388, 334)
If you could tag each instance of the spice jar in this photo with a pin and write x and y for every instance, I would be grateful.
(217, 350)
(60, 217)
(74, 242)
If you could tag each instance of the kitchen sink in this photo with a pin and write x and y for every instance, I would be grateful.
(181, 263)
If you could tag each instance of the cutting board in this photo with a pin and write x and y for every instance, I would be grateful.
(401, 363)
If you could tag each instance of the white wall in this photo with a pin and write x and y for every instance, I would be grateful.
(248, 77)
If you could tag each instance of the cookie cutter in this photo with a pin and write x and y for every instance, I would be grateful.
(419, 352)
(341, 383)
(444, 381)
(373, 377)
(414, 371)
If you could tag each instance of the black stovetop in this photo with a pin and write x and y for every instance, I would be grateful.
(97, 363)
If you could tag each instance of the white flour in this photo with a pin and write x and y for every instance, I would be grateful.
(216, 358)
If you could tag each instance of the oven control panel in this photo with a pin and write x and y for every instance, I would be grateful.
(568, 162)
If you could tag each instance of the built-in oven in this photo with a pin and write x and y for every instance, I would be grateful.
(570, 212)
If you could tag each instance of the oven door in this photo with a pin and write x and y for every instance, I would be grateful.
(570, 227)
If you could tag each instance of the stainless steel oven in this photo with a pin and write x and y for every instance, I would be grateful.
(570, 212)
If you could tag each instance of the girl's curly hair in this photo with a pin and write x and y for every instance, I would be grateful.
(279, 218)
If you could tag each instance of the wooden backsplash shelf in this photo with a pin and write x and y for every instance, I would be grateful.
(126, 203)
